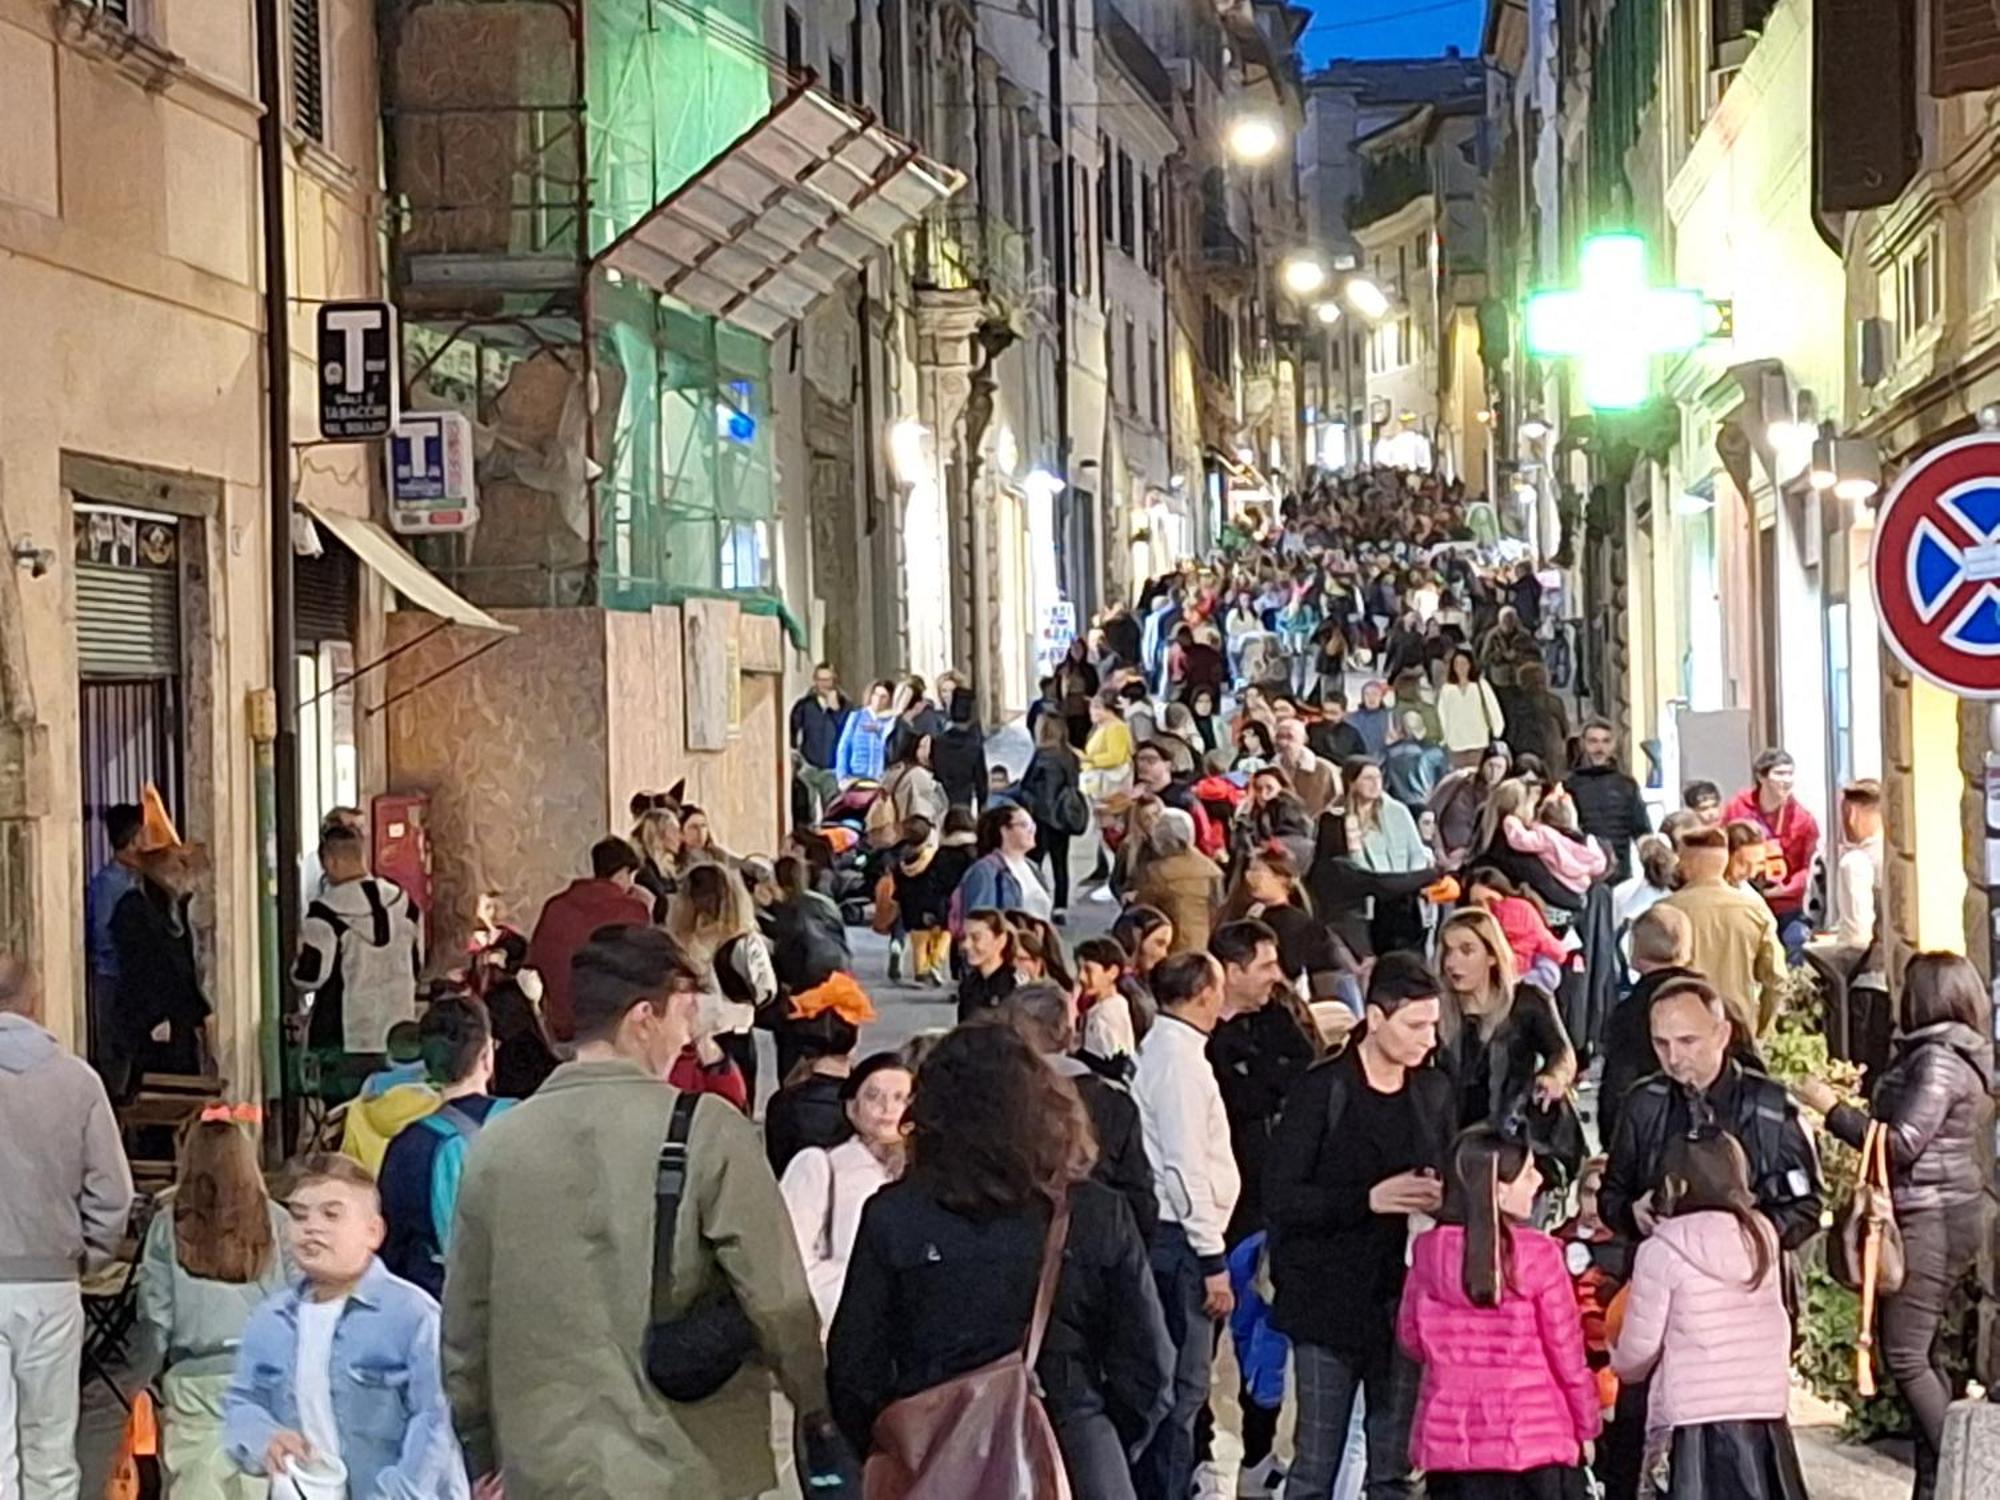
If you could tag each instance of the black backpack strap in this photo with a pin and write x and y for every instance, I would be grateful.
(668, 1186)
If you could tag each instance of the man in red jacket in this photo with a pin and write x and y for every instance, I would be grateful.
(1794, 840)
(569, 918)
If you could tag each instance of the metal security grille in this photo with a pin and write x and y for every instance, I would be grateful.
(127, 621)
(129, 735)
(308, 71)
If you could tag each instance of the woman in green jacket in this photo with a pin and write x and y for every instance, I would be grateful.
(215, 1250)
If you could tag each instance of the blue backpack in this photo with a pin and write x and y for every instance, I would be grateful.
(456, 1128)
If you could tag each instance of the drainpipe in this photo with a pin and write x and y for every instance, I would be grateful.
(284, 754)
(1064, 246)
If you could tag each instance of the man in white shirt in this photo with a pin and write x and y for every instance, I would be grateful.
(1858, 876)
(1195, 1176)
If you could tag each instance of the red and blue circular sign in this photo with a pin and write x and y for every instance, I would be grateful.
(1936, 566)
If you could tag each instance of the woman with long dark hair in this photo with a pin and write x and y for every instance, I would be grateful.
(826, 1188)
(1935, 1100)
(1051, 787)
(943, 1272)
(213, 1252)
(1468, 710)
(1705, 1324)
(1508, 1409)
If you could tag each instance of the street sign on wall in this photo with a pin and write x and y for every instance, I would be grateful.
(431, 485)
(1936, 566)
(357, 370)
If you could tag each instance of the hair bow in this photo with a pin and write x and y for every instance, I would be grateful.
(232, 1114)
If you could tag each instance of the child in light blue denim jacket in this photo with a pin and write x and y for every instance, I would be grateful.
(340, 1370)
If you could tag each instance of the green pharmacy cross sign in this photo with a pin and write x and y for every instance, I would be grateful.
(1615, 323)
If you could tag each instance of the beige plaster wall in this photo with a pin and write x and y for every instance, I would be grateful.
(130, 274)
(531, 751)
(510, 750)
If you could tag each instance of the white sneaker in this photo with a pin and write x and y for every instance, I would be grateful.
(1261, 1481)
(1208, 1483)
(1104, 895)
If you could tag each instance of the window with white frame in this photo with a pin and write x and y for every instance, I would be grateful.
(1919, 289)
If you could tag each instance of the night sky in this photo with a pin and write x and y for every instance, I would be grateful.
(1390, 28)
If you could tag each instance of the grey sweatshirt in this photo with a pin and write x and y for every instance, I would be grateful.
(65, 1188)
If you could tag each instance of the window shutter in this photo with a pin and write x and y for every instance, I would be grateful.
(128, 621)
(324, 591)
(1965, 46)
(1863, 49)
(308, 71)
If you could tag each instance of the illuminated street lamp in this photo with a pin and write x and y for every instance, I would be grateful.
(1303, 275)
(1328, 313)
(1366, 298)
(1253, 138)
(1850, 467)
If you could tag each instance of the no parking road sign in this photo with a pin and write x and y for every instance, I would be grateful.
(1936, 566)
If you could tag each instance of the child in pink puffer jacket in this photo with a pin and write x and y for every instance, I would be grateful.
(1508, 1405)
(1705, 1322)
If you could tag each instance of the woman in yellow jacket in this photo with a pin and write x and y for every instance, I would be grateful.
(1107, 754)
(1107, 769)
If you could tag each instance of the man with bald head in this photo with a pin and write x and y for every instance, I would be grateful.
(65, 1191)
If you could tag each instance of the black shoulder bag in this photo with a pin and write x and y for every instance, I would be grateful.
(690, 1357)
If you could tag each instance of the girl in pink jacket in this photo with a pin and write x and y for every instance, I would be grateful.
(1705, 1321)
(1508, 1408)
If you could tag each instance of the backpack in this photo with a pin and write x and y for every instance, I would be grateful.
(883, 825)
(456, 1128)
(1071, 812)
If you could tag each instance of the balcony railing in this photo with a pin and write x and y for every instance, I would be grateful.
(960, 249)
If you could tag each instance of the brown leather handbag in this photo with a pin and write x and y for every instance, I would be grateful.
(1865, 1249)
(983, 1435)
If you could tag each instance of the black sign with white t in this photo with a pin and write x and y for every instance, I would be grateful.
(357, 370)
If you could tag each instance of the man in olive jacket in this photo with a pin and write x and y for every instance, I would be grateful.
(549, 1283)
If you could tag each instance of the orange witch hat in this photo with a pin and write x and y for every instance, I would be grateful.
(157, 833)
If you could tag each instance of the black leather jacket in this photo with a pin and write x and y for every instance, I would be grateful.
(1935, 1097)
(1784, 1167)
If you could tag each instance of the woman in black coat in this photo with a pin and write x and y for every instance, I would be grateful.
(1053, 774)
(1935, 1099)
(943, 1273)
(158, 981)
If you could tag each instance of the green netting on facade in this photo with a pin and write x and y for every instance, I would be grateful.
(686, 496)
(671, 83)
(498, 164)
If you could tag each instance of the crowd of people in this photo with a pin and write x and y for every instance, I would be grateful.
(1315, 1089)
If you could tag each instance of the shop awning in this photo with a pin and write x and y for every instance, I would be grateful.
(402, 572)
(801, 200)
